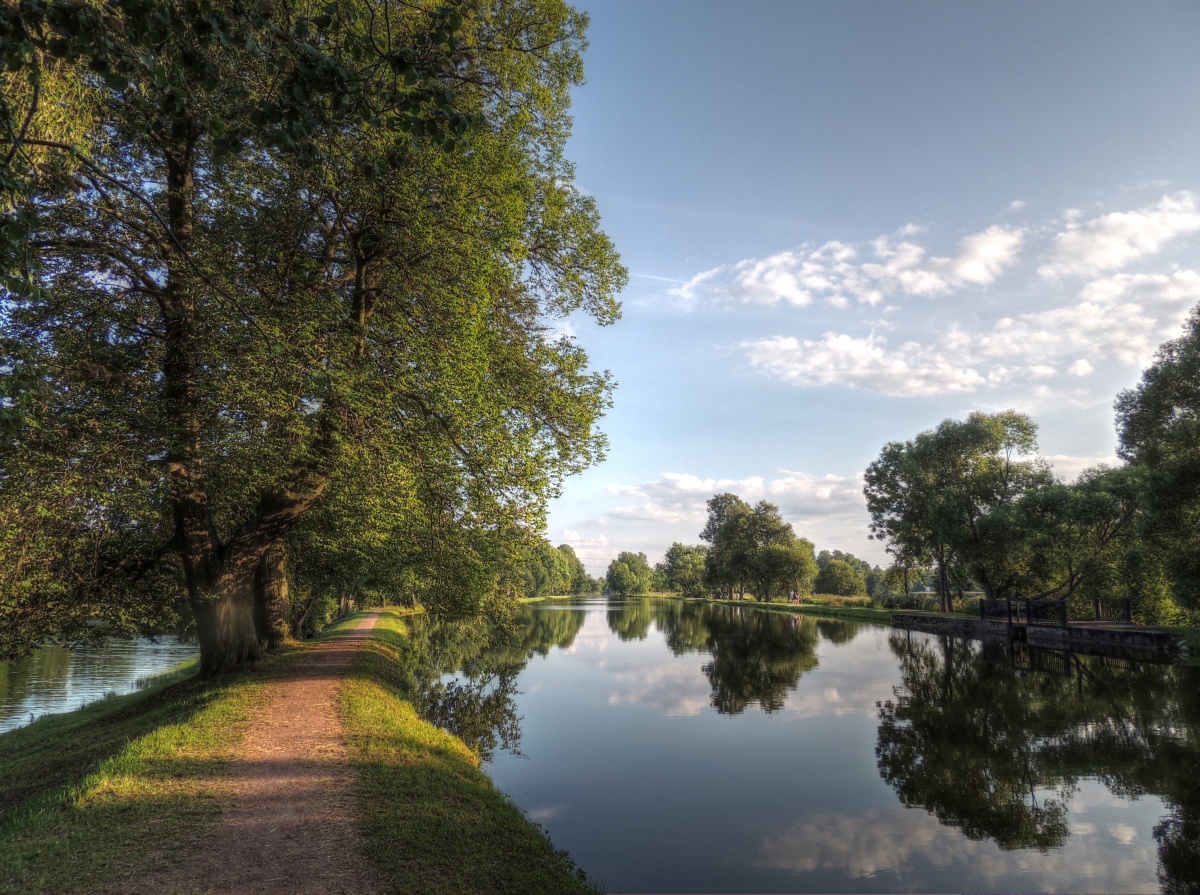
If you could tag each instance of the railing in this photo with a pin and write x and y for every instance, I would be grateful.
(1058, 663)
(1050, 612)
(1031, 612)
(1114, 611)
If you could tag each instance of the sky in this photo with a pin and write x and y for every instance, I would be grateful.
(845, 222)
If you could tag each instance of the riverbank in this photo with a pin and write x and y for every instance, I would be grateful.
(855, 613)
(100, 799)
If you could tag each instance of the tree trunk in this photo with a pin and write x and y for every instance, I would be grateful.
(271, 603)
(225, 624)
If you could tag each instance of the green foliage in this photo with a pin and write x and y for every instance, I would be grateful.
(754, 550)
(1159, 426)
(947, 496)
(629, 574)
(683, 569)
(841, 579)
(285, 272)
(873, 576)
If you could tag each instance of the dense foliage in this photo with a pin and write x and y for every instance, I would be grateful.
(1159, 425)
(279, 282)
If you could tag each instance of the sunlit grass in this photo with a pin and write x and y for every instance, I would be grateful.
(92, 798)
(434, 821)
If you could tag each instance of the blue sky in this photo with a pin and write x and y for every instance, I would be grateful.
(847, 221)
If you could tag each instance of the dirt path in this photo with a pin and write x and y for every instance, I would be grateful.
(289, 825)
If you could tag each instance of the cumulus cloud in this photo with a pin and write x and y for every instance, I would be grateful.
(840, 359)
(592, 551)
(682, 497)
(1113, 241)
(839, 273)
(1122, 318)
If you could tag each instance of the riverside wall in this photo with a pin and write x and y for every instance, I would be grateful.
(1098, 638)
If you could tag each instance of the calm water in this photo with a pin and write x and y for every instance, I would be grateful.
(679, 747)
(56, 679)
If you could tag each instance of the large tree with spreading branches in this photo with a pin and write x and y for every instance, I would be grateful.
(283, 271)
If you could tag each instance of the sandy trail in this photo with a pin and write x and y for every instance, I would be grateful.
(289, 823)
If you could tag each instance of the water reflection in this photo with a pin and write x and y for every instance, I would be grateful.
(756, 658)
(995, 739)
(57, 679)
(926, 765)
(478, 704)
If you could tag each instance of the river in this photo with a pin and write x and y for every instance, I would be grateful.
(677, 746)
(56, 679)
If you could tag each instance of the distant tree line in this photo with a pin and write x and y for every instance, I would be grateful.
(749, 551)
(543, 570)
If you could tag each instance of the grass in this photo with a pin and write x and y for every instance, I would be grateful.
(93, 798)
(434, 821)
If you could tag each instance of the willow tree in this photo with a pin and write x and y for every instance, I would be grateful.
(251, 257)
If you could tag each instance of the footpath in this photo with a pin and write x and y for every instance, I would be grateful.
(289, 822)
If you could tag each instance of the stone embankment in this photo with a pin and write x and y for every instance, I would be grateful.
(1098, 638)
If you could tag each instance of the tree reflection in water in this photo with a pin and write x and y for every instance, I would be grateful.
(479, 706)
(630, 619)
(994, 737)
(758, 656)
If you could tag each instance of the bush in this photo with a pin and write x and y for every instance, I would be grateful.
(835, 600)
(921, 602)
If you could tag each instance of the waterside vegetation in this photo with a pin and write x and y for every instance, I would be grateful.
(112, 791)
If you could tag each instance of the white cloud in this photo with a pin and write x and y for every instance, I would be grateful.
(679, 497)
(840, 359)
(1121, 318)
(1069, 466)
(592, 551)
(1115, 240)
(834, 273)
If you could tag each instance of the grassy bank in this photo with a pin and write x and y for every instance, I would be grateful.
(423, 788)
(94, 799)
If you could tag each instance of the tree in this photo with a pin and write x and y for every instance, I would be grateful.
(580, 581)
(248, 253)
(949, 495)
(683, 568)
(788, 567)
(841, 579)
(754, 549)
(1075, 534)
(1158, 422)
(629, 574)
